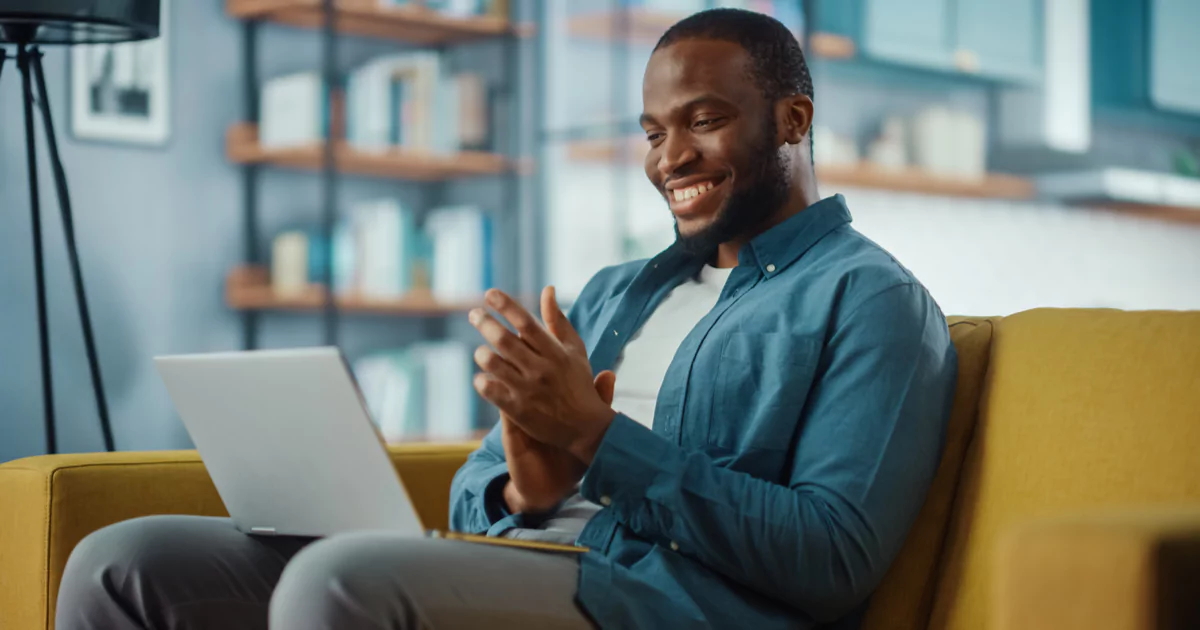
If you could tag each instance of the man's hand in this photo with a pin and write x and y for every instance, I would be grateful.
(541, 381)
(541, 475)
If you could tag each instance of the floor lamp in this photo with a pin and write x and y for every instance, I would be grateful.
(28, 24)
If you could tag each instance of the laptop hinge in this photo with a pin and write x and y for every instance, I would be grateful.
(263, 531)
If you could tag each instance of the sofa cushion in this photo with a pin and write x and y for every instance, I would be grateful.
(904, 599)
(1082, 409)
(51, 502)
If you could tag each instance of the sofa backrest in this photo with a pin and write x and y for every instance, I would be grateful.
(905, 597)
(1081, 410)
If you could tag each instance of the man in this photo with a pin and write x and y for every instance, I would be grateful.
(781, 392)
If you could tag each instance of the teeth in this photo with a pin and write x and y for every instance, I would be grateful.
(683, 194)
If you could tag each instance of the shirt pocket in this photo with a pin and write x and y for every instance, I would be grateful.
(760, 387)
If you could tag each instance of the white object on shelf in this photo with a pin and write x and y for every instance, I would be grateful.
(292, 111)
(461, 257)
(933, 140)
(969, 140)
(890, 149)
(289, 263)
(831, 148)
(1123, 185)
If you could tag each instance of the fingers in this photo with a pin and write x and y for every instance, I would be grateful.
(511, 347)
(525, 324)
(558, 323)
(495, 392)
(606, 384)
(495, 365)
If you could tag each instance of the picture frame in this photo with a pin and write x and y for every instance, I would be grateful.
(122, 92)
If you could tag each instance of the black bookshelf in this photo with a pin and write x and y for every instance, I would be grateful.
(331, 161)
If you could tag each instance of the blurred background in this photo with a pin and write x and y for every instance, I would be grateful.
(1015, 154)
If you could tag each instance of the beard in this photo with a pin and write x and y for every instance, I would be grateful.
(749, 205)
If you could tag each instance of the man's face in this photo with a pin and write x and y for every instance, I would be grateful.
(714, 152)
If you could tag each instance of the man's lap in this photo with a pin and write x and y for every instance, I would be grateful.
(171, 570)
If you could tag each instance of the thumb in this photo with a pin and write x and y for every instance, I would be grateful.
(606, 384)
(557, 322)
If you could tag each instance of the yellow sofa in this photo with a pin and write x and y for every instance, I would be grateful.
(1068, 495)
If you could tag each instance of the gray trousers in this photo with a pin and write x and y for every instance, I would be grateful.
(191, 572)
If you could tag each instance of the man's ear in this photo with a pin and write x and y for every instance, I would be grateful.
(795, 114)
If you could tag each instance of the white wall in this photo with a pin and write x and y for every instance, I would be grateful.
(989, 257)
(977, 257)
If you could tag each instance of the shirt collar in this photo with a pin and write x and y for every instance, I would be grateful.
(777, 248)
(773, 250)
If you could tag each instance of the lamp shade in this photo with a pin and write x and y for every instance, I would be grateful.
(70, 22)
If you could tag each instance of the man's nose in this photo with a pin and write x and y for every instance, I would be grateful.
(678, 150)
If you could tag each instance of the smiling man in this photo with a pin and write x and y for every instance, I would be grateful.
(782, 384)
(741, 430)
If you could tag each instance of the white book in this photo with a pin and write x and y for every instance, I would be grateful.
(289, 263)
(459, 236)
(449, 399)
(292, 110)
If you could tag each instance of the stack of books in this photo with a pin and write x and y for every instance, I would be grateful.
(379, 252)
(405, 100)
(422, 391)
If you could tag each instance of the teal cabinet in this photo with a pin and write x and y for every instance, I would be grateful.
(1003, 40)
(990, 39)
(1174, 55)
(1144, 56)
(911, 32)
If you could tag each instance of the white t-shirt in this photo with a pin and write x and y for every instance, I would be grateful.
(640, 371)
(643, 363)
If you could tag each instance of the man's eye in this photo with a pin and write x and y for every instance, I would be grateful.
(706, 122)
(653, 137)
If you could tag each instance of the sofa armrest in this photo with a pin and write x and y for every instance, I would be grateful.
(1135, 570)
(49, 503)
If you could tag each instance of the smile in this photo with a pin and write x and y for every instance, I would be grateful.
(682, 199)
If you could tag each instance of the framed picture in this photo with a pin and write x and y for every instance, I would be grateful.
(121, 92)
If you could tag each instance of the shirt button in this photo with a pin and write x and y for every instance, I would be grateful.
(606, 500)
(615, 333)
(674, 546)
(770, 268)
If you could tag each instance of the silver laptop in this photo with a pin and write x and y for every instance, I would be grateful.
(289, 444)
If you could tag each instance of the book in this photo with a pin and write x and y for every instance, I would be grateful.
(406, 100)
(289, 263)
(385, 242)
(420, 391)
(461, 258)
(293, 110)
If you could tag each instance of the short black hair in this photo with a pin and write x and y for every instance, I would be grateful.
(778, 63)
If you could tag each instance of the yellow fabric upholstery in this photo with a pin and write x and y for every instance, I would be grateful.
(1082, 410)
(50, 503)
(1118, 571)
(904, 599)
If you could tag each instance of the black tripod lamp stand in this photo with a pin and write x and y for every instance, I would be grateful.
(29, 24)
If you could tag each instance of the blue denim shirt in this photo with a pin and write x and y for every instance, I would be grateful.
(796, 433)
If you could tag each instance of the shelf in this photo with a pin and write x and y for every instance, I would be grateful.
(249, 289)
(992, 185)
(859, 176)
(412, 24)
(1169, 214)
(640, 25)
(646, 26)
(241, 147)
